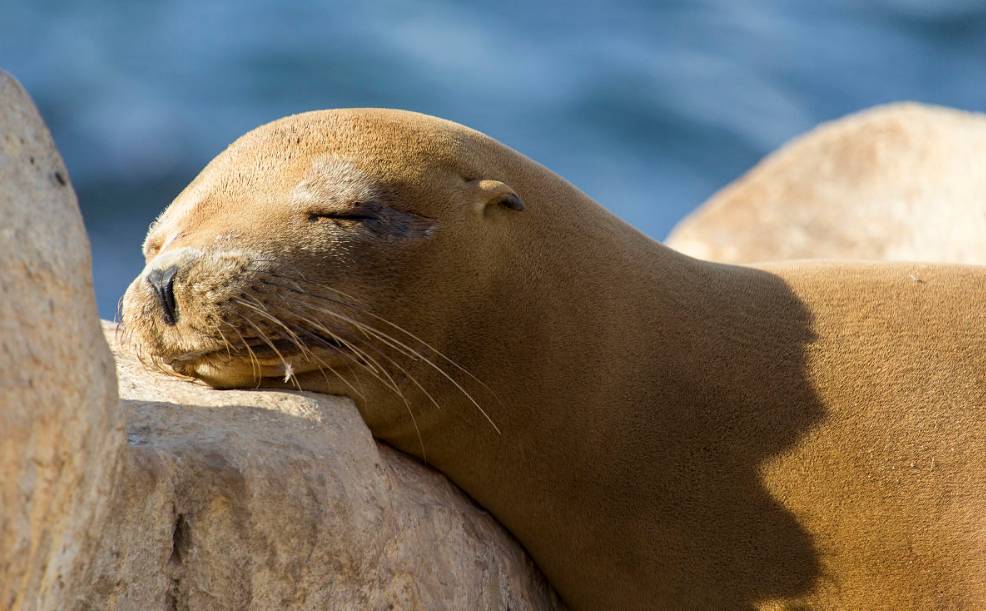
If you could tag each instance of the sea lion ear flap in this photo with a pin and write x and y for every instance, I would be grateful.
(493, 193)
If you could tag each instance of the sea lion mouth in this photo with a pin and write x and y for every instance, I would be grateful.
(304, 343)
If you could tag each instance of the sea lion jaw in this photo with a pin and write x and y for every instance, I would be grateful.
(220, 369)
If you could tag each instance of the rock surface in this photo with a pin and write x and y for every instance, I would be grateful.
(59, 428)
(898, 182)
(274, 500)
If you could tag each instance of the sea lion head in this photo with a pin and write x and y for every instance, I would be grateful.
(329, 242)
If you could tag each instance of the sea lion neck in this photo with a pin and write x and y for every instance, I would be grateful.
(631, 350)
(706, 330)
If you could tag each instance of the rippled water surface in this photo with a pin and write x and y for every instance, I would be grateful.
(649, 107)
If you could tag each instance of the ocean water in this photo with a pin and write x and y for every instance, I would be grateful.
(649, 107)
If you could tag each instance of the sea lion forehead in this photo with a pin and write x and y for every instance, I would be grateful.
(356, 154)
(393, 145)
(327, 181)
(374, 133)
(331, 158)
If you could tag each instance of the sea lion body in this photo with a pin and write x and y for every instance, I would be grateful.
(657, 431)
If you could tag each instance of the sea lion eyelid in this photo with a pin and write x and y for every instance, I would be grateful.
(359, 212)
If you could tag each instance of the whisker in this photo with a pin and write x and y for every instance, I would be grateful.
(394, 325)
(255, 368)
(118, 319)
(412, 379)
(374, 371)
(323, 329)
(338, 375)
(441, 371)
(417, 430)
(308, 354)
(229, 350)
(382, 355)
(266, 340)
(389, 382)
(438, 352)
(265, 313)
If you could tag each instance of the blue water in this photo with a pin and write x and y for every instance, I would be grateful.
(650, 107)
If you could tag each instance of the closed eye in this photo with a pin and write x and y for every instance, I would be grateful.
(378, 221)
(347, 215)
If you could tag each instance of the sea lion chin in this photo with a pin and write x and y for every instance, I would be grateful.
(657, 431)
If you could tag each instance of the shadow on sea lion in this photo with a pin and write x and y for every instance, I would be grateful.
(657, 431)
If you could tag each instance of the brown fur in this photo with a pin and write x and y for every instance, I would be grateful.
(672, 433)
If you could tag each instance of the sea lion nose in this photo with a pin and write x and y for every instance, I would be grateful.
(163, 283)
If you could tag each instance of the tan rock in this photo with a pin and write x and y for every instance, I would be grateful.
(59, 428)
(897, 182)
(273, 500)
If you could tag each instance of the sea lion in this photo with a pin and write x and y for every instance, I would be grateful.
(657, 431)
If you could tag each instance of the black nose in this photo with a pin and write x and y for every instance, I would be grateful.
(163, 283)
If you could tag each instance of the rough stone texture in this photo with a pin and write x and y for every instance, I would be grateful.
(898, 182)
(272, 500)
(59, 428)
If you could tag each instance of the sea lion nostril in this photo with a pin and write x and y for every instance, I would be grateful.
(163, 283)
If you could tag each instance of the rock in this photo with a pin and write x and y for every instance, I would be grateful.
(897, 182)
(273, 500)
(60, 432)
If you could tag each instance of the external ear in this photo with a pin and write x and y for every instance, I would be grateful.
(493, 193)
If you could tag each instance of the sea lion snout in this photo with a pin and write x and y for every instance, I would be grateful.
(163, 284)
(160, 277)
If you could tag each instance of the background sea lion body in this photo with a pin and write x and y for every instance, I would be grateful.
(658, 431)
